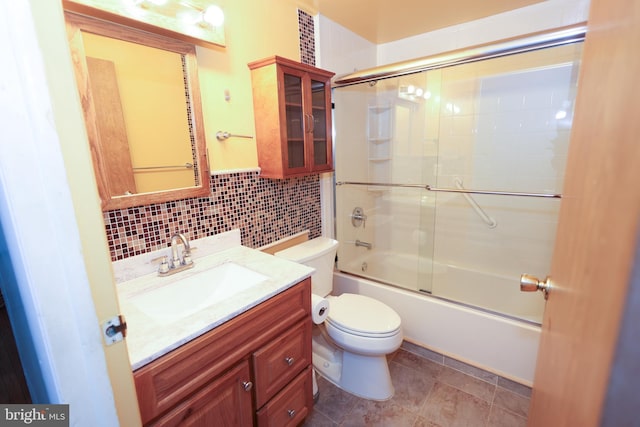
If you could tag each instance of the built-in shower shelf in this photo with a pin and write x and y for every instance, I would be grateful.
(379, 108)
(380, 139)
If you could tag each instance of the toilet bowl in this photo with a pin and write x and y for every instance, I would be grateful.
(350, 346)
(363, 325)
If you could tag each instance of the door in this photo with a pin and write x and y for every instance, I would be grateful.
(320, 123)
(598, 226)
(295, 152)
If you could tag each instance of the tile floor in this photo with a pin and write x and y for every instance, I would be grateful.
(430, 390)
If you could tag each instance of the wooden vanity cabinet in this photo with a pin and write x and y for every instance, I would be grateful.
(222, 402)
(292, 107)
(254, 369)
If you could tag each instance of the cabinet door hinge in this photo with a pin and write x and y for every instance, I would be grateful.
(114, 329)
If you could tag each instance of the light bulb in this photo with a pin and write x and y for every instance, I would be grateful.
(213, 16)
(561, 114)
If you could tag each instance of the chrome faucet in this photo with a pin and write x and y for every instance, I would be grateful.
(176, 264)
(186, 251)
(364, 244)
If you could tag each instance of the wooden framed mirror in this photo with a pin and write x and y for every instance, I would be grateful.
(141, 103)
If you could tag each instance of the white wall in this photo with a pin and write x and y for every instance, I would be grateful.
(538, 17)
(341, 50)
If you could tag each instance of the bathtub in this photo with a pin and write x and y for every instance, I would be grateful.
(492, 291)
(498, 344)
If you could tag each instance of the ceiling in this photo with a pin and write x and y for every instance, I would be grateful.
(382, 21)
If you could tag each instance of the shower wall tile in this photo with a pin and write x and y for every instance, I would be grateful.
(341, 50)
(513, 141)
(264, 210)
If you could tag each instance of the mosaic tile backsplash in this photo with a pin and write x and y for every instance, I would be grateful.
(264, 210)
(306, 30)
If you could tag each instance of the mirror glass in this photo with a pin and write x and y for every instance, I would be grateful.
(141, 104)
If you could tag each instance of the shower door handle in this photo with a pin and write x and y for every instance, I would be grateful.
(529, 283)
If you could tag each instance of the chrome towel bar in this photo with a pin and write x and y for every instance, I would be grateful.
(223, 136)
(186, 166)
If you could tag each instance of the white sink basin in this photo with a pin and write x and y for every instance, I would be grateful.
(176, 297)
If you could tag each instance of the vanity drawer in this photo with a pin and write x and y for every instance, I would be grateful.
(224, 402)
(291, 405)
(280, 361)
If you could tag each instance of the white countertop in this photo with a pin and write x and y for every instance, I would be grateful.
(148, 337)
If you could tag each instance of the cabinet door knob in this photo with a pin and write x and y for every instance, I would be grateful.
(289, 360)
(247, 385)
(291, 412)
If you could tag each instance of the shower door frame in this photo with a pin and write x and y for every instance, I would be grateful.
(528, 43)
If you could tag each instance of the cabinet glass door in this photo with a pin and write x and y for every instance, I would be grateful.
(321, 153)
(295, 122)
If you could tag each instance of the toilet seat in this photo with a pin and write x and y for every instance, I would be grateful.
(363, 316)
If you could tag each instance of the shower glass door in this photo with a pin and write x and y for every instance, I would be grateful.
(497, 125)
(386, 230)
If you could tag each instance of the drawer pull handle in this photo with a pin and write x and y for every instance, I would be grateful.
(247, 385)
(292, 413)
(289, 360)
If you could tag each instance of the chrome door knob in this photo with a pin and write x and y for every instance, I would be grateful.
(529, 283)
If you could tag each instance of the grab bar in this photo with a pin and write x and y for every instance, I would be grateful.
(491, 223)
(452, 190)
(186, 166)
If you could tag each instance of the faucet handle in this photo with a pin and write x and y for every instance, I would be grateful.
(164, 263)
(186, 256)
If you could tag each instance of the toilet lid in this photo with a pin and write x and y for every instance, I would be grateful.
(362, 315)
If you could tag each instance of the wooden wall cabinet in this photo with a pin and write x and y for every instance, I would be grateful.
(292, 107)
(254, 369)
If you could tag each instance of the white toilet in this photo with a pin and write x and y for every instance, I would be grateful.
(350, 347)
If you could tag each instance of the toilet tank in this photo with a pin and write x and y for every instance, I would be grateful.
(318, 253)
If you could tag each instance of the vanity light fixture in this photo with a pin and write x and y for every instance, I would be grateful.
(413, 93)
(210, 17)
(213, 16)
(194, 21)
(145, 4)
